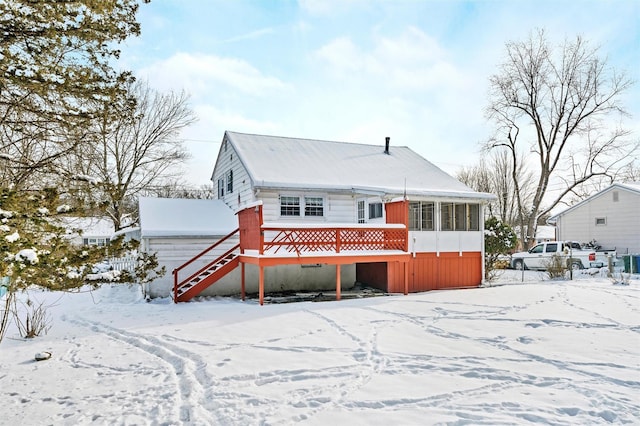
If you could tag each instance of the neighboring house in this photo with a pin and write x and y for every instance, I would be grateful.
(313, 214)
(611, 217)
(545, 234)
(89, 231)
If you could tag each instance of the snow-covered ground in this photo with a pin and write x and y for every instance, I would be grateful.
(552, 352)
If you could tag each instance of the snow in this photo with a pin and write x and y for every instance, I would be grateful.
(159, 217)
(12, 238)
(304, 164)
(561, 352)
(27, 255)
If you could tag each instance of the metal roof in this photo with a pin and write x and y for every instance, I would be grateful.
(282, 162)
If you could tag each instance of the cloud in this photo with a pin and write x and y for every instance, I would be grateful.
(197, 73)
(411, 61)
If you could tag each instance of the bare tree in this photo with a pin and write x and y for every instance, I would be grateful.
(559, 108)
(138, 150)
(493, 174)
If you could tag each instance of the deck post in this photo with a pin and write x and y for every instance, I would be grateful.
(175, 286)
(406, 278)
(338, 283)
(242, 282)
(261, 286)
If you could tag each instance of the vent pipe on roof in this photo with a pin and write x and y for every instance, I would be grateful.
(386, 145)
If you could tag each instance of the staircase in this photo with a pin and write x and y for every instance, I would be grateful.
(186, 289)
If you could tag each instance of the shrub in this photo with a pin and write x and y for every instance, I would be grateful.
(556, 267)
(499, 239)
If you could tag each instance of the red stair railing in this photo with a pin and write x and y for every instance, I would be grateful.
(198, 256)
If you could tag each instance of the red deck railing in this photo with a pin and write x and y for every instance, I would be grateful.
(305, 239)
(272, 238)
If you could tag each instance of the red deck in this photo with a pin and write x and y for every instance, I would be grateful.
(380, 252)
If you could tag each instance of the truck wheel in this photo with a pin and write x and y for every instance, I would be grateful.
(518, 264)
(576, 265)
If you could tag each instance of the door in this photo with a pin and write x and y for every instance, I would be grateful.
(534, 258)
(361, 206)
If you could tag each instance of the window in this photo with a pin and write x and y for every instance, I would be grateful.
(459, 217)
(360, 211)
(100, 242)
(375, 210)
(220, 188)
(601, 221)
(473, 217)
(293, 205)
(289, 206)
(421, 216)
(230, 181)
(313, 206)
(446, 216)
(537, 249)
(551, 248)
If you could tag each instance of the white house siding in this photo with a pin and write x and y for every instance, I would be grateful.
(173, 252)
(445, 241)
(229, 160)
(622, 227)
(338, 208)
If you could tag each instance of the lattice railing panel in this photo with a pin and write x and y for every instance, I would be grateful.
(302, 240)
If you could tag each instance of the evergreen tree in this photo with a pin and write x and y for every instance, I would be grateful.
(499, 239)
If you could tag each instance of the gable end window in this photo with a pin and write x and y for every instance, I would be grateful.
(230, 181)
(601, 221)
(220, 188)
(375, 210)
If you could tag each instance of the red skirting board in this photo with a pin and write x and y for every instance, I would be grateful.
(427, 271)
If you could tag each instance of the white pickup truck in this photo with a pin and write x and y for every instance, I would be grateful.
(539, 256)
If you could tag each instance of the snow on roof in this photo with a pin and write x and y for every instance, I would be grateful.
(177, 217)
(630, 186)
(634, 186)
(546, 232)
(281, 162)
(90, 226)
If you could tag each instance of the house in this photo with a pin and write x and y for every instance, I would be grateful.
(315, 214)
(88, 231)
(609, 216)
(545, 233)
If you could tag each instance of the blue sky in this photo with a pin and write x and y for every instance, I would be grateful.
(357, 70)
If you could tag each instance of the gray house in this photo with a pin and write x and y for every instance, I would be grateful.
(611, 217)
